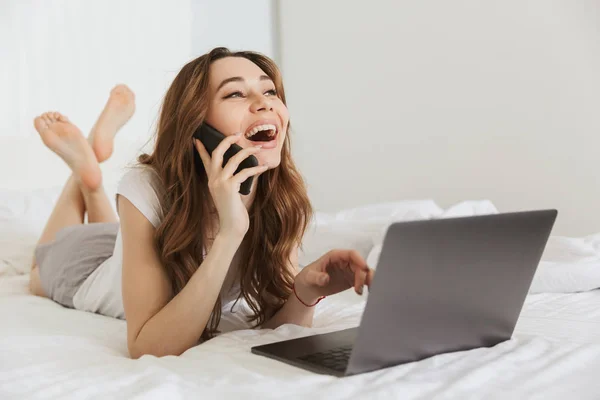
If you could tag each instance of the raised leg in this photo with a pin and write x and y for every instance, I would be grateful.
(69, 210)
(83, 192)
(98, 206)
(66, 140)
(118, 110)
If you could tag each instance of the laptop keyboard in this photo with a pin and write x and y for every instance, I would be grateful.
(336, 358)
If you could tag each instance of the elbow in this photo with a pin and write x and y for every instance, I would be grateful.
(137, 350)
(138, 346)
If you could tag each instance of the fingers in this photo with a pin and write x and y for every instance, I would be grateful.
(235, 161)
(204, 156)
(360, 277)
(317, 278)
(352, 257)
(248, 172)
(217, 154)
(355, 265)
(357, 260)
(360, 268)
(370, 276)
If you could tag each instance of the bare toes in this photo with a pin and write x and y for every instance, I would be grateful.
(121, 88)
(39, 123)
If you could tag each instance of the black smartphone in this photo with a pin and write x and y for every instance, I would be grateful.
(211, 138)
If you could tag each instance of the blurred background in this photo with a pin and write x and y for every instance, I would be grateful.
(389, 100)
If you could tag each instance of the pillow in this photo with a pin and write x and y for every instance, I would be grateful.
(557, 277)
(420, 210)
(23, 214)
(394, 211)
(16, 249)
(322, 237)
(568, 265)
(358, 228)
(376, 218)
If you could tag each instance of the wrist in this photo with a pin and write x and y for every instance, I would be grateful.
(228, 241)
(305, 294)
(229, 236)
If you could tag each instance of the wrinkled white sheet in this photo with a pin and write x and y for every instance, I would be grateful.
(47, 351)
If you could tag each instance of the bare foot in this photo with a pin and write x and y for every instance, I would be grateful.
(66, 140)
(117, 111)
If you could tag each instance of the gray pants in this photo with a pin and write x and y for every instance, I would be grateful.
(77, 251)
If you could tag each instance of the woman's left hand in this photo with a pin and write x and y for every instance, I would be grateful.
(334, 272)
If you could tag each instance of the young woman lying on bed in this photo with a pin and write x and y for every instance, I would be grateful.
(188, 243)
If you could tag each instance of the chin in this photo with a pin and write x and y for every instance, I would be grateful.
(272, 159)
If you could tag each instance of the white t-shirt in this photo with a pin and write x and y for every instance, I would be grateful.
(101, 291)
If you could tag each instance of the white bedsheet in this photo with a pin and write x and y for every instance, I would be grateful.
(47, 351)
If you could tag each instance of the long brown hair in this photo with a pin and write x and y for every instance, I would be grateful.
(278, 216)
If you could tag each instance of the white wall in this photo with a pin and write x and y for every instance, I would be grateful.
(237, 24)
(66, 55)
(449, 100)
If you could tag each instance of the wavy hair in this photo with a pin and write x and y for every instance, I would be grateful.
(278, 216)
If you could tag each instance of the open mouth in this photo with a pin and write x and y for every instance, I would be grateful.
(262, 133)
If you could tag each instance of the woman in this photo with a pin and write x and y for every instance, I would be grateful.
(188, 242)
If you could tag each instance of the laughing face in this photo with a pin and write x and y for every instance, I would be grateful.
(244, 99)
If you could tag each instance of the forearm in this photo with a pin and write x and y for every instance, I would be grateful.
(292, 312)
(178, 326)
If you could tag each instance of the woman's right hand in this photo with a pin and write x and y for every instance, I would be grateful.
(224, 186)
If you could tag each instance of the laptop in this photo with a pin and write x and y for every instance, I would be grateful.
(440, 286)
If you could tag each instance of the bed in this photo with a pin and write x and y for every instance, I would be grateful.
(47, 351)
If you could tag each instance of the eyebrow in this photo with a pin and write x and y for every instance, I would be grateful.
(240, 79)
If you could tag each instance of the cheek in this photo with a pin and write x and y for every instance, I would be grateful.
(285, 116)
(224, 119)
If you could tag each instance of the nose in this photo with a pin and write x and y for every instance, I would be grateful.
(262, 103)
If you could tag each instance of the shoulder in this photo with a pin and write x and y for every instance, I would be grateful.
(142, 177)
(142, 186)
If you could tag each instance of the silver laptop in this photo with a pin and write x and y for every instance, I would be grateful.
(440, 286)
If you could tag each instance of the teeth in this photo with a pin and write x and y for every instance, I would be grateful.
(271, 128)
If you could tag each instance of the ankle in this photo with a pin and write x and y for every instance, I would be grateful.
(91, 190)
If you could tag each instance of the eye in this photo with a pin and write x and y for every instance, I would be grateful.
(271, 92)
(234, 95)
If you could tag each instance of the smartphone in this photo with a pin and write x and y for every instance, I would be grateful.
(211, 138)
